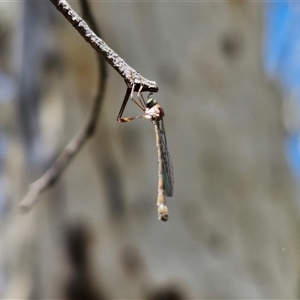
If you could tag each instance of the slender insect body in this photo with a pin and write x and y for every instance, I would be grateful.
(155, 113)
(162, 209)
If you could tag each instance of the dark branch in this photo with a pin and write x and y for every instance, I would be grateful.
(129, 74)
(53, 173)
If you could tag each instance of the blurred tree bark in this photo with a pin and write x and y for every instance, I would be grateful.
(233, 227)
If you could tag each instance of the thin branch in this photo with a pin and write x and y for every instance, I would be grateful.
(128, 73)
(53, 173)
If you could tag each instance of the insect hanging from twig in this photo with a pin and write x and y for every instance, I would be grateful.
(155, 113)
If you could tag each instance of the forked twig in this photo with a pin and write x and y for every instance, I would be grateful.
(53, 173)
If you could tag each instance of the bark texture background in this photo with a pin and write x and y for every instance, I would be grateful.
(233, 226)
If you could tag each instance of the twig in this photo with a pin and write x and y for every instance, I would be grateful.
(129, 74)
(53, 173)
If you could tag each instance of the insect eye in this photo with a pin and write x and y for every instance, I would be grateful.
(150, 102)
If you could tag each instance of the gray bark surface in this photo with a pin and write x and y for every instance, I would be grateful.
(233, 226)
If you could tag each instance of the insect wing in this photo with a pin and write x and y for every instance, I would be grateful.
(167, 165)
